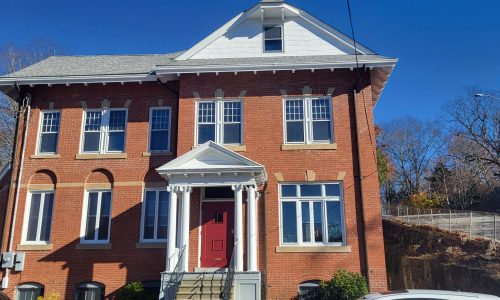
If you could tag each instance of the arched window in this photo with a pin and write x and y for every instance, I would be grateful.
(29, 291)
(90, 291)
(309, 290)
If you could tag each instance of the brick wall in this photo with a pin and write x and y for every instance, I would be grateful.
(63, 267)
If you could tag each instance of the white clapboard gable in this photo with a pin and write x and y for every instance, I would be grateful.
(303, 35)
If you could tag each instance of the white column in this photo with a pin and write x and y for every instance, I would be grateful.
(172, 229)
(251, 229)
(238, 227)
(186, 201)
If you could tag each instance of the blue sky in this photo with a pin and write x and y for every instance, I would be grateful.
(442, 45)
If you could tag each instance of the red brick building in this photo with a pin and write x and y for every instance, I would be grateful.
(252, 151)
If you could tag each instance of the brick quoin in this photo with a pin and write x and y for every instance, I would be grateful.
(63, 267)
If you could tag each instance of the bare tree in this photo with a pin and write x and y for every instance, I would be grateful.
(410, 145)
(14, 58)
(476, 120)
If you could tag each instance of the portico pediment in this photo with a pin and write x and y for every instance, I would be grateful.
(212, 164)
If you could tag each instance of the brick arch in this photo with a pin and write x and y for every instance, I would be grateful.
(43, 176)
(100, 175)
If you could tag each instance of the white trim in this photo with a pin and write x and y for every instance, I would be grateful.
(219, 120)
(104, 130)
(39, 135)
(323, 199)
(27, 212)
(169, 130)
(36, 80)
(308, 121)
(143, 215)
(83, 224)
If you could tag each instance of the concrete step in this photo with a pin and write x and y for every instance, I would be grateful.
(200, 289)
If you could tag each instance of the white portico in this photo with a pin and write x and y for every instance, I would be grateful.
(212, 165)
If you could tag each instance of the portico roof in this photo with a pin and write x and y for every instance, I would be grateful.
(212, 164)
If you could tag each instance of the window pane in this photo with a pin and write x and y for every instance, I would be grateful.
(273, 45)
(34, 215)
(104, 216)
(295, 131)
(159, 140)
(332, 189)
(310, 190)
(232, 133)
(272, 32)
(206, 112)
(318, 221)
(117, 119)
(294, 110)
(232, 111)
(93, 121)
(159, 119)
(162, 215)
(306, 222)
(321, 131)
(116, 141)
(149, 215)
(91, 141)
(29, 293)
(206, 133)
(333, 215)
(321, 109)
(47, 217)
(48, 143)
(289, 220)
(91, 216)
(288, 191)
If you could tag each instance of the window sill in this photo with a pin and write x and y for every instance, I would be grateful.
(313, 249)
(151, 245)
(159, 153)
(45, 156)
(106, 246)
(236, 148)
(34, 247)
(102, 156)
(286, 147)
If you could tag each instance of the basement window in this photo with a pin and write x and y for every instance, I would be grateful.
(273, 39)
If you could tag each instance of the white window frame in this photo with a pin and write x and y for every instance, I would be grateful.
(40, 126)
(151, 109)
(219, 120)
(308, 120)
(84, 217)
(104, 130)
(26, 219)
(91, 285)
(143, 215)
(281, 26)
(29, 286)
(323, 199)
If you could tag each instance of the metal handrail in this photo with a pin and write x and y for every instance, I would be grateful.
(228, 285)
(175, 277)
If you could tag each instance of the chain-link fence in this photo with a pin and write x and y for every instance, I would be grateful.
(470, 223)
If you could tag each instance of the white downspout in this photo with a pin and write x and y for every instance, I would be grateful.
(27, 104)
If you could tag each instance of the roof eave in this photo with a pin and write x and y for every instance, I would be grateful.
(269, 67)
(34, 80)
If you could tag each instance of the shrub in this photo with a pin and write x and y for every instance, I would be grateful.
(344, 285)
(134, 291)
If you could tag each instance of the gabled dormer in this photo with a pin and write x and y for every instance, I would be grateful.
(273, 28)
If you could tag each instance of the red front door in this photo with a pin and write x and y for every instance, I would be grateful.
(217, 234)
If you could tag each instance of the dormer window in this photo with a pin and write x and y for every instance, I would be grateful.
(273, 39)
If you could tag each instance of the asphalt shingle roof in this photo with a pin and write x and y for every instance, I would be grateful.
(55, 66)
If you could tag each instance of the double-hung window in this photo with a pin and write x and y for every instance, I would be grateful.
(159, 129)
(97, 217)
(90, 291)
(273, 39)
(219, 121)
(29, 291)
(39, 217)
(49, 132)
(312, 213)
(308, 120)
(155, 216)
(104, 131)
